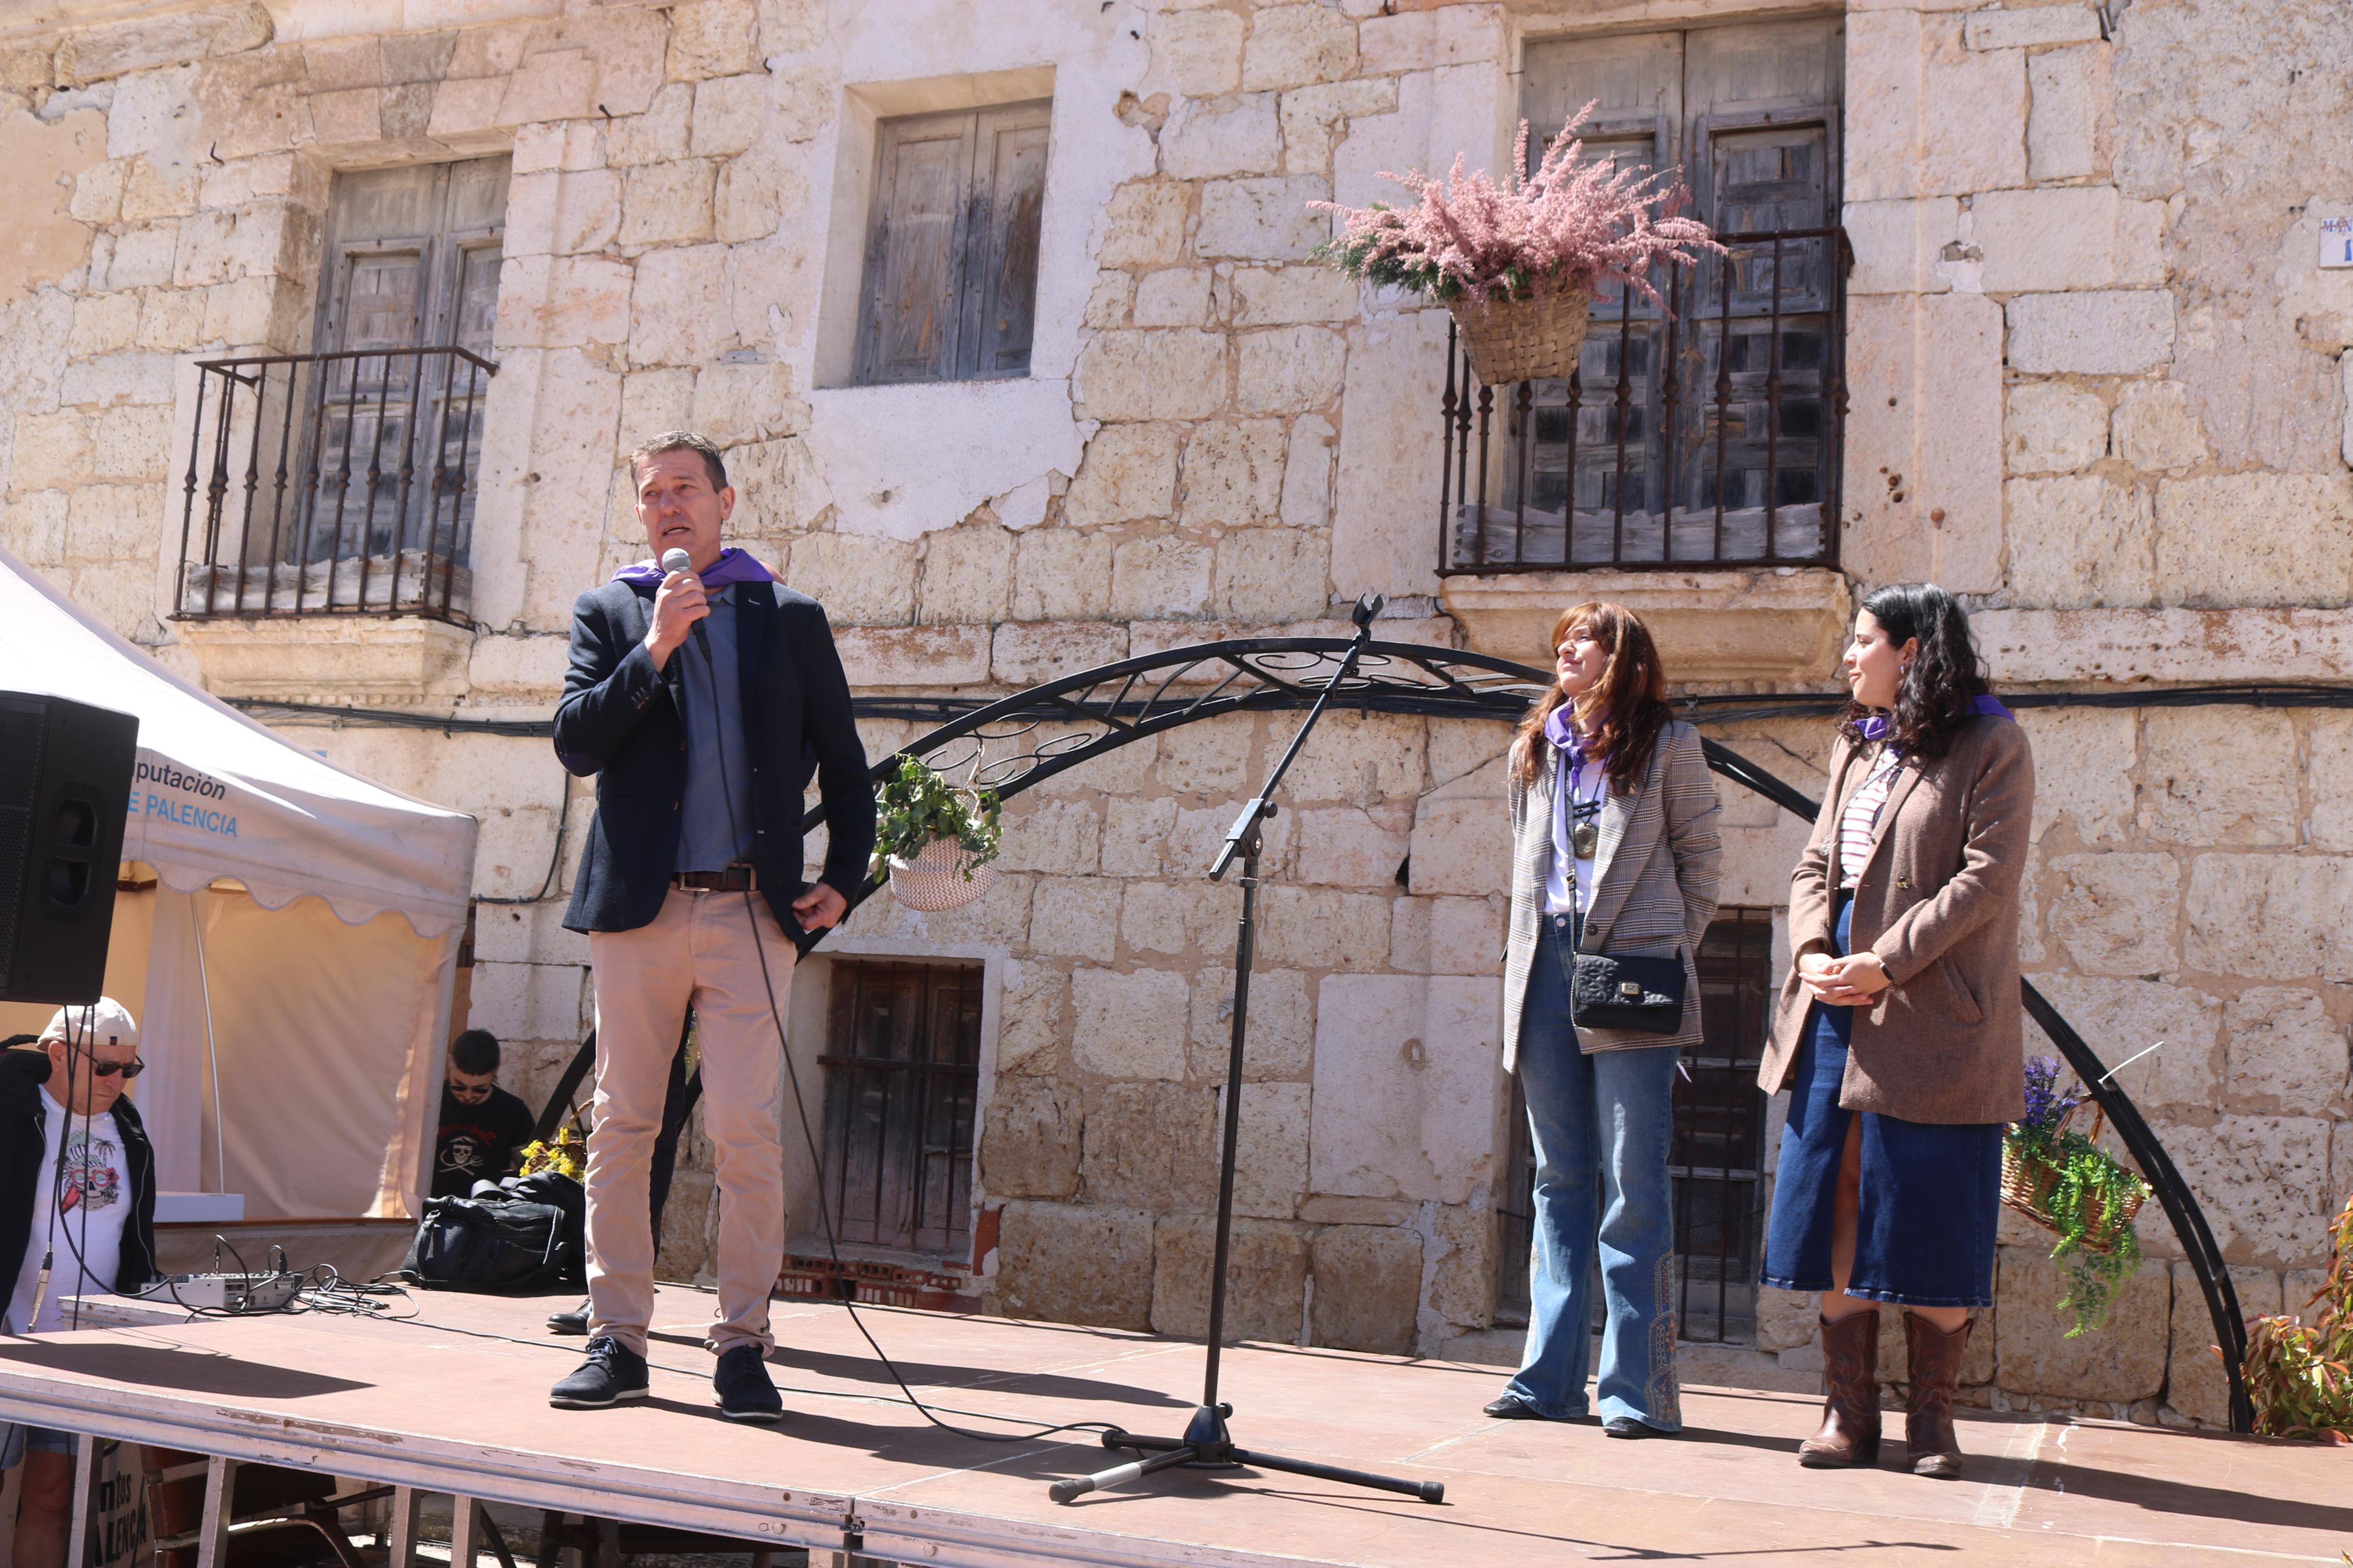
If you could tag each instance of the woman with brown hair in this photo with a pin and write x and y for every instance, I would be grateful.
(1898, 1031)
(1614, 855)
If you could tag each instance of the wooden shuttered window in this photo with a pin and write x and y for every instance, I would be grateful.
(951, 281)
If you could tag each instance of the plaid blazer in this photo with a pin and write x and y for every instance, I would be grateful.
(1654, 878)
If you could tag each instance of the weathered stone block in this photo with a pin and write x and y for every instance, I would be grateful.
(1313, 118)
(1173, 296)
(1129, 474)
(1154, 1145)
(1367, 1287)
(1200, 50)
(1424, 40)
(2029, 27)
(1152, 375)
(1363, 759)
(50, 450)
(1150, 578)
(2083, 760)
(2122, 1362)
(1129, 1024)
(1307, 473)
(1232, 473)
(2283, 1046)
(860, 579)
(1407, 1075)
(2052, 427)
(2079, 540)
(131, 443)
(114, 523)
(1143, 225)
(1349, 846)
(2068, 236)
(2190, 794)
(1133, 833)
(1266, 1276)
(713, 39)
(2254, 539)
(1289, 370)
(1028, 654)
(2194, 1383)
(1466, 936)
(1292, 46)
(1216, 137)
(2067, 127)
(1270, 1154)
(2118, 914)
(1262, 219)
(678, 312)
(2263, 1182)
(1075, 917)
(727, 114)
(1272, 574)
(659, 135)
(1076, 1264)
(1042, 834)
(1061, 576)
(667, 204)
(2122, 1018)
(1030, 1012)
(2155, 429)
(2102, 331)
(1280, 1031)
(1170, 918)
(2272, 916)
(1029, 1140)
(1317, 927)
(2330, 771)
(1286, 296)
(967, 576)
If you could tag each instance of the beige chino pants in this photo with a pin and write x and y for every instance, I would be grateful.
(698, 951)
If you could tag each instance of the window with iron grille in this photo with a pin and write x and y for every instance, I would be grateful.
(342, 481)
(1704, 428)
(951, 281)
(1717, 1158)
(901, 1070)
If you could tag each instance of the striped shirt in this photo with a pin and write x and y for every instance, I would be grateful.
(1862, 816)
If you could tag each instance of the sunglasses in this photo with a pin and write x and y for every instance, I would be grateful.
(128, 1069)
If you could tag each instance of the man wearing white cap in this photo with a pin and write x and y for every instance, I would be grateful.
(77, 1202)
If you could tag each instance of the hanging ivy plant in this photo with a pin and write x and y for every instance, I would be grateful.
(915, 808)
(2067, 1183)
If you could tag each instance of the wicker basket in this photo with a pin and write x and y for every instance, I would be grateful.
(2028, 1181)
(1521, 339)
(942, 876)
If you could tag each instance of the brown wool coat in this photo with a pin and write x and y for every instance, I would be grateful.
(1938, 903)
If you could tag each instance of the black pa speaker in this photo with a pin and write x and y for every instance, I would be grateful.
(65, 793)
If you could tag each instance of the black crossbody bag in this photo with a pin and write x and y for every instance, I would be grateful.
(1641, 993)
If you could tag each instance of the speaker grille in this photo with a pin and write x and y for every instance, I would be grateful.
(22, 730)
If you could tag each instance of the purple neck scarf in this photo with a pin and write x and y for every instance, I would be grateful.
(1877, 726)
(734, 566)
(1564, 736)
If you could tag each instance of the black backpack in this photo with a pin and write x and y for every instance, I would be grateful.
(530, 1236)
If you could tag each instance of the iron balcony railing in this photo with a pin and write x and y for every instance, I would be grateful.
(333, 484)
(1708, 433)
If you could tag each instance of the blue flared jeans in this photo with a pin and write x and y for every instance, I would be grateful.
(1601, 1124)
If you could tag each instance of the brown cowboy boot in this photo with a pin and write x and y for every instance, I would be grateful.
(1850, 1434)
(1929, 1440)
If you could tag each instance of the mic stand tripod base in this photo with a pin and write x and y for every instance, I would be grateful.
(1207, 1445)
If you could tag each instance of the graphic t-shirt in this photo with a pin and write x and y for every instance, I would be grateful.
(477, 1142)
(76, 1216)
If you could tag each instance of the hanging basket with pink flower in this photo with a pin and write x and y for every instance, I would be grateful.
(1519, 264)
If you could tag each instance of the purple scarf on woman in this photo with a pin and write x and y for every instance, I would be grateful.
(1877, 726)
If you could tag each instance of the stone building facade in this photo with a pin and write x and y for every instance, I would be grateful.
(2096, 381)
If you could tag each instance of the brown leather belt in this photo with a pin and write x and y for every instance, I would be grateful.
(736, 879)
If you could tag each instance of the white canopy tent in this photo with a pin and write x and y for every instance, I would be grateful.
(291, 967)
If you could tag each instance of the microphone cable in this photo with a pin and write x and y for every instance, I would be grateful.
(800, 1108)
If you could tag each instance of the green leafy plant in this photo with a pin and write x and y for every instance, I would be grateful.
(2300, 1376)
(2081, 1191)
(915, 808)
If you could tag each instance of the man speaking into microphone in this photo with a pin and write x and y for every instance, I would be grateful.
(702, 694)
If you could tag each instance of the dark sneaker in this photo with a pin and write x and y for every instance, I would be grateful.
(1629, 1427)
(574, 1322)
(744, 1389)
(612, 1374)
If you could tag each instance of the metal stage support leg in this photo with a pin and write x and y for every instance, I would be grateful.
(465, 1532)
(220, 1499)
(403, 1527)
(84, 1506)
(1207, 1444)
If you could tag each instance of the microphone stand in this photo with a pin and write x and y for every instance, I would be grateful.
(1207, 1443)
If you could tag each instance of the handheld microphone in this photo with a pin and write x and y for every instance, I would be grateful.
(679, 560)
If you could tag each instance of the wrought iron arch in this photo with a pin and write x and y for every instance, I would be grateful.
(1054, 727)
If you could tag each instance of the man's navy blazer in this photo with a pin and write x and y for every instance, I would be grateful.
(620, 719)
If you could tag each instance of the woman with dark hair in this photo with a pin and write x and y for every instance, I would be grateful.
(1614, 857)
(1897, 1030)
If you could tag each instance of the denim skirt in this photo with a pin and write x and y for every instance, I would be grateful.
(1931, 1192)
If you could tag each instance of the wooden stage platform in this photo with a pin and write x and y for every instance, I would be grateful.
(455, 1401)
